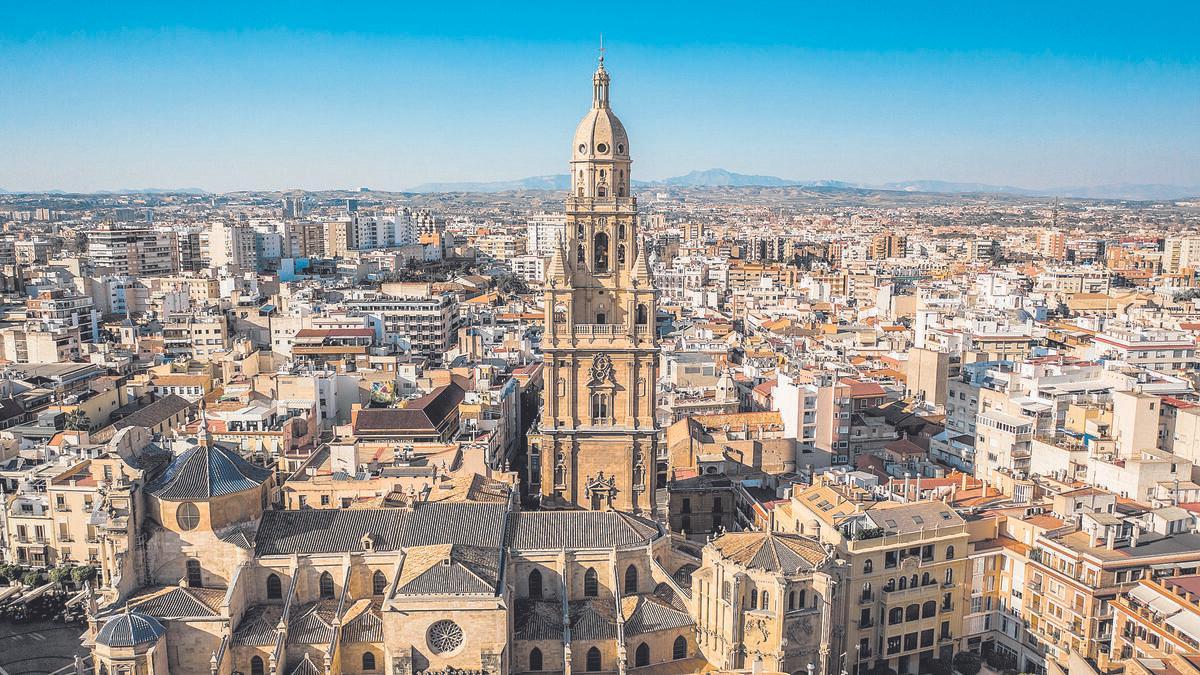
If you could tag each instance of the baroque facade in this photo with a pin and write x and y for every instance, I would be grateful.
(598, 439)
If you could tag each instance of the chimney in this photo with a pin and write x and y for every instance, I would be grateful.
(1111, 542)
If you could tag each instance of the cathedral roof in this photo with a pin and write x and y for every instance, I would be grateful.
(128, 629)
(177, 601)
(786, 553)
(449, 569)
(538, 620)
(647, 614)
(259, 626)
(337, 531)
(593, 620)
(204, 471)
(539, 530)
(312, 623)
(306, 667)
(365, 626)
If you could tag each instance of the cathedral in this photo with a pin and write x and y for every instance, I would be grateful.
(597, 442)
(202, 576)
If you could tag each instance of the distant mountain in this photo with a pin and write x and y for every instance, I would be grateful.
(724, 178)
(555, 182)
(155, 191)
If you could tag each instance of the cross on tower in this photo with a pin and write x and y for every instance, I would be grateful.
(602, 48)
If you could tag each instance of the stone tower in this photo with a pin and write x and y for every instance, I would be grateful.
(597, 444)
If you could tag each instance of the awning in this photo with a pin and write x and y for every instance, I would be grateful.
(1164, 606)
(1187, 623)
(1143, 594)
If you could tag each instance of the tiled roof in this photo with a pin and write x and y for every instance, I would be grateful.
(242, 537)
(258, 626)
(128, 629)
(154, 414)
(646, 614)
(206, 471)
(176, 601)
(422, 414)
(535, 530)
(769, 551)
(327, 531)
(367, 626)
(456, 523)
(593, 620)
(306, 667)
(450, 570)
(537, 620)
(312, 623)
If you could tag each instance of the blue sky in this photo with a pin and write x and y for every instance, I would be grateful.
(308, 95)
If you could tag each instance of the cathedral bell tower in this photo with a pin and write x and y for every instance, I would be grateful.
(598, 441)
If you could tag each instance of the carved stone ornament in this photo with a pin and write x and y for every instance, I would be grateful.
(602, 368)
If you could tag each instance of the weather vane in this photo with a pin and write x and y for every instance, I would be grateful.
(602, 48)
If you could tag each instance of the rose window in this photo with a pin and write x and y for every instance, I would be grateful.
(445, 636)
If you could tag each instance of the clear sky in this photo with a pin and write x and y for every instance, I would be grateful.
(342, 95)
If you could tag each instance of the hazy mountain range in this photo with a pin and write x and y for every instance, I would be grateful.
(726, 178)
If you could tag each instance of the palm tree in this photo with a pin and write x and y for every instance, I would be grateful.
(78, 420)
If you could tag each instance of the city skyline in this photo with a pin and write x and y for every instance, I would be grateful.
(392, 98)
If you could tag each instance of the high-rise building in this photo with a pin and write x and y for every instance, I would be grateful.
(134, 251)
(598, 438)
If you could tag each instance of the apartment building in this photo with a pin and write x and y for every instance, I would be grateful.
(134, 251)
(906, 571)
(418, 322)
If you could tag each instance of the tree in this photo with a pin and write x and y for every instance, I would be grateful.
(11, 572)
(968, 663)
(83, 573)
(936, 667)
(61, 575)
(32, 578)
(78, 420)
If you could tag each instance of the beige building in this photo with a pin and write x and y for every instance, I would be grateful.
(906, 568)
(766, 601)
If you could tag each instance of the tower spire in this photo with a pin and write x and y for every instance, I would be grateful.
(600, 81)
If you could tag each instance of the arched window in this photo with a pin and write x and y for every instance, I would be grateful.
(866, 591)
(368, 661)
(600, 251)
(903, 583)
(194, 578)
(912, 612)
(895, 616)
(601, 192)
(949, 576)
(326, 585)
(621, 254)
(256, 666)
(599, 407)
(791, 600)
(274, 587)
(803, 599)
(929, 609)
(535, 659)
(591, 583)
(559, 474)
(679, 649)
(593, 660)
(949, 553)
(766, 600)
(535, 585)
(621, 229)
(913, 581)
(642, 656)
(753, 599)
(378, 583)
(631, 579)
(685, 524)
(580, 255)
(643, 315)
(868, 566)
(925, 579)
